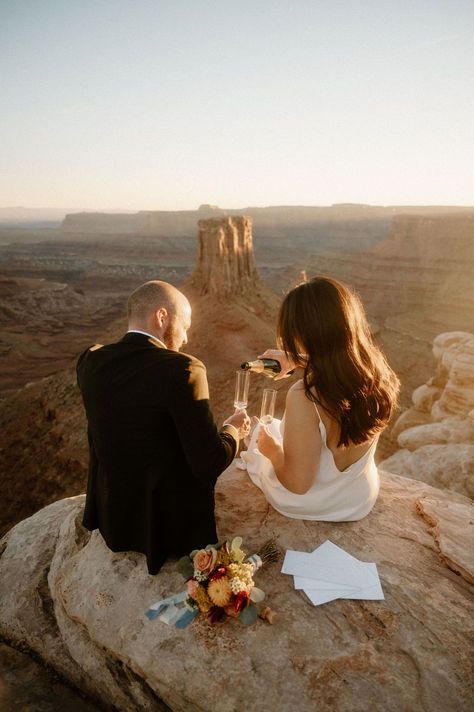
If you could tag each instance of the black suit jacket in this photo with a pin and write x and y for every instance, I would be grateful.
(155, 451)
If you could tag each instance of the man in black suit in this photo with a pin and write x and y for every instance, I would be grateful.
(155, 451)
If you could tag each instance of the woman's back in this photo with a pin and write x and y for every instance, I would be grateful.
(338, 486)
(343, 457)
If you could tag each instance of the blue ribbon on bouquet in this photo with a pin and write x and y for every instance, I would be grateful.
(173, 610)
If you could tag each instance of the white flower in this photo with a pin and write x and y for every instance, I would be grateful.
(237, 585)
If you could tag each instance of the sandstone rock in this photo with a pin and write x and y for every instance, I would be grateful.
(448, 466)
(454, 430)
(226, 263)
(453, 530)
(81, 607)
(440, 418)
(457, 360)
(27, 685)
(456, 400)
(409, 419)
(424, 397)
(445, 341)
(429, 434)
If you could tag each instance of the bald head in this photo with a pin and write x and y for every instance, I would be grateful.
(162, 310)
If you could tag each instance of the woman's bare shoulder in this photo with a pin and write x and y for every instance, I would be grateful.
(298, 402)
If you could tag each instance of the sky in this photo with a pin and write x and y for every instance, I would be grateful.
(168, 104)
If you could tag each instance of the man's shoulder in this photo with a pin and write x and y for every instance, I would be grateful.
(190, 373)
(189, 360)
(89, 350)
(185, 365)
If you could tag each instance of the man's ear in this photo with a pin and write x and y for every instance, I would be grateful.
(161, 315)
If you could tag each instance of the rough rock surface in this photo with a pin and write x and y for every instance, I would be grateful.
(437, 434)
(81, 607)
(451, 531)
(26, 686)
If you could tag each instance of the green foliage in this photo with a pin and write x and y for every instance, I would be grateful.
(248, 615)
(185, 567)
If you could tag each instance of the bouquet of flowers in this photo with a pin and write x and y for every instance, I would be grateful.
(219, 583)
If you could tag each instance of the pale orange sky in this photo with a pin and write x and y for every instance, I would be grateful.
(167, 105)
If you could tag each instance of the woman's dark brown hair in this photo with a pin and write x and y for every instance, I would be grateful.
(345, 372)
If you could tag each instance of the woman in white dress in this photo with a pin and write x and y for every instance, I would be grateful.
(319, 462)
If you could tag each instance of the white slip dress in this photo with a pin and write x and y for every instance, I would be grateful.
(334, 496)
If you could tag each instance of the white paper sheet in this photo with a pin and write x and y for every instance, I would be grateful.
(351, 573)
(329, 573)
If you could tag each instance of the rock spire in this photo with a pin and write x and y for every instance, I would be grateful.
(226, 263)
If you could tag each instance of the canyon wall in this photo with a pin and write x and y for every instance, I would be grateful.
(424, 265)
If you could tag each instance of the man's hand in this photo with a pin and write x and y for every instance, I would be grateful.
(241, 421)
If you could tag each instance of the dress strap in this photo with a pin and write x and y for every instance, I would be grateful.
(322, 427)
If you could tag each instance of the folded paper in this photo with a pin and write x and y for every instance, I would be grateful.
(329, 573)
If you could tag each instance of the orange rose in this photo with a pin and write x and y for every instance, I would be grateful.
(205, 560)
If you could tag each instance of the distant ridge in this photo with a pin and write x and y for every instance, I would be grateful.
(180, 223)
(134, 220)
(20, 215)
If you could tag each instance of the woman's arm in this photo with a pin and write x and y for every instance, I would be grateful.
(296, 460)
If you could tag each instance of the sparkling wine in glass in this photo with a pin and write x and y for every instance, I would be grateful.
(242, 380)
(268, 406)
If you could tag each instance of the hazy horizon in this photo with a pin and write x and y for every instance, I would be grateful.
(157, 106)
(121, 209)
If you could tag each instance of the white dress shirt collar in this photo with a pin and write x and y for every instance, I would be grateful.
(145, 333)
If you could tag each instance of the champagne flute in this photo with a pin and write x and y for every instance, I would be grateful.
(268, 405)
(242, 380)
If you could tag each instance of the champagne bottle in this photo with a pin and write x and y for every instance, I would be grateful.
(268, 366)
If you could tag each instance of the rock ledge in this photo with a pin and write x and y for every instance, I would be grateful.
(81, 608)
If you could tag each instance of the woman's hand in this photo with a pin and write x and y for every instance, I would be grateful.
(286, 363)
(254, 421)
(268, 445)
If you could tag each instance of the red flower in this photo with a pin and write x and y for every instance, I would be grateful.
(217, 573)
(215, 614)
(241, 599)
